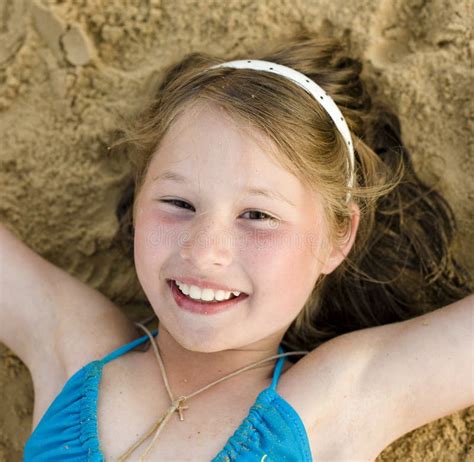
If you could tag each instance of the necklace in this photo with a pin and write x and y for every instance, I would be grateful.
(177, 404)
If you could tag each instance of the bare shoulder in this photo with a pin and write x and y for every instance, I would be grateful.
(51, 320)
(325, 388)
(87, 326)
(48, 315)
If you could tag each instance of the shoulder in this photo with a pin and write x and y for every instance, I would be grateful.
(90, 327)
(85, 326)
(324, 387)
(88, 336)
(51, 320)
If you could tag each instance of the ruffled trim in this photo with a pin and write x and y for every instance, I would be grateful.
(88, 411)
(245, 437)
(238, 442)
(285, 408)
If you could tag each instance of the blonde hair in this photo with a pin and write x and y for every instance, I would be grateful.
(392, 233)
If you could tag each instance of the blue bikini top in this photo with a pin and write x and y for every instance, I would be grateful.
(272, 431)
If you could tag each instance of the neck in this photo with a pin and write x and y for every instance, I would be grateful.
(189, 370)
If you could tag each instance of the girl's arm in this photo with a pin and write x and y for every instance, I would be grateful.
(47, 315)
(27, 300)
(421, 370)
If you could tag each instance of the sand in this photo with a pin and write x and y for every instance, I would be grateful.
(66, 67)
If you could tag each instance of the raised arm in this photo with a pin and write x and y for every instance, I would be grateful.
(421, 370)
(47, 315)
(27, 299)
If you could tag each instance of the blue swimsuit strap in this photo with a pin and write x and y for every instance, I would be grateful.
(278, 368)
(127, 347)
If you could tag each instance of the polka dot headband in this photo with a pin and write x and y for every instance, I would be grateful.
(313, 89)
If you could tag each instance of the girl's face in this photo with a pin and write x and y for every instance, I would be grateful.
(216, 229)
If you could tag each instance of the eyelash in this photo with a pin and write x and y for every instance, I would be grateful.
(268, 217)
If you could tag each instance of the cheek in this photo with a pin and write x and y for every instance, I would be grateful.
(286, 244)
(289, 269)
(157, 232)
(152, 243)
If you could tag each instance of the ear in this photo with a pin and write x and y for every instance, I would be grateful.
(338, 254)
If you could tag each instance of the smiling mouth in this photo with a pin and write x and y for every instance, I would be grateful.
(202, 306)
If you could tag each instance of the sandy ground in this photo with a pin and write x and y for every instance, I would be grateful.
(66, 66)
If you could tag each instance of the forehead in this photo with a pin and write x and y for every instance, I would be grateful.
(206, 141)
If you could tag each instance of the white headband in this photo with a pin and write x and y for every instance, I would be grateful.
(313, 89)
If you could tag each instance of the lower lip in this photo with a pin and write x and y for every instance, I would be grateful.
(202, 307)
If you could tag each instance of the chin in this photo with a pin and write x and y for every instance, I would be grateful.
(199, 344)
(194, 337)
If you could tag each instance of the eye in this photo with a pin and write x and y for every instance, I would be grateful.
(265, 216)
(174, 201)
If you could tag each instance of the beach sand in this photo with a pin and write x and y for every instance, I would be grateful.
(65, 71)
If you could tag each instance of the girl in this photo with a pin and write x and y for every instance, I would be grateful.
(309, 304)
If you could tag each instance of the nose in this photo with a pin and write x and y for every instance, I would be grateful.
(207, 243)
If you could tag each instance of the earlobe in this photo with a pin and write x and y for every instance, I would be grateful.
(337, 254)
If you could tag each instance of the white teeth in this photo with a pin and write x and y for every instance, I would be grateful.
(207, 295)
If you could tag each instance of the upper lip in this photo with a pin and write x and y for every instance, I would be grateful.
(204, 284)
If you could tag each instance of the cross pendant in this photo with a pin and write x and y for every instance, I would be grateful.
(181, 408)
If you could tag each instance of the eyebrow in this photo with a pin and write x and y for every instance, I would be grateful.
(255, 191)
